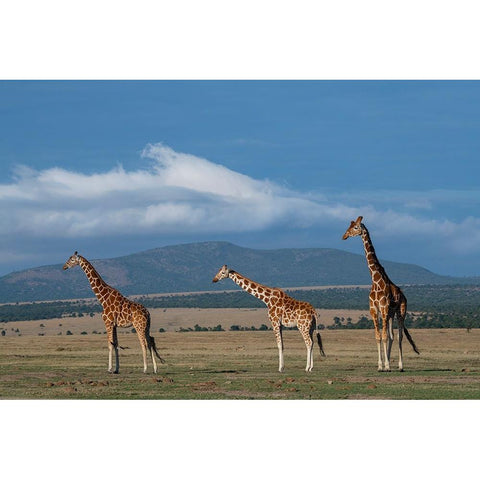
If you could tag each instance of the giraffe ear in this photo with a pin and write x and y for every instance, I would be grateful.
(359, 220)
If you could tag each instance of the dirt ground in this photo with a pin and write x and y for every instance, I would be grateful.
(240, 365)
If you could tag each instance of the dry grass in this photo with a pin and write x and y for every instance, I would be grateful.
(170, 320)
(240, 365)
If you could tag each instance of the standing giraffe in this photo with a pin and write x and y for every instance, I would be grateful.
(385, 297)
(283, 310)
(118, 311)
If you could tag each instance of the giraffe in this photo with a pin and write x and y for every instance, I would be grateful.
(118, 311)
(385, 297)
(283, 310)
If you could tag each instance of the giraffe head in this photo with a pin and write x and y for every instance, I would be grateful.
(221, 274)
(72, 261)
(354, 229)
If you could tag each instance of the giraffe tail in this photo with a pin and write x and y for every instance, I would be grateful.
(319, 338)
(410, 339)
(154, 347)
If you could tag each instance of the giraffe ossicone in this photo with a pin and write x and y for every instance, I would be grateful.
(283, 310)
(385, 298)
(118, 311)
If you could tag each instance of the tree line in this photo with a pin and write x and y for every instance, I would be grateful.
(437, 306)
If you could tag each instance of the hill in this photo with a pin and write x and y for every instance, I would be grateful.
(191, 267)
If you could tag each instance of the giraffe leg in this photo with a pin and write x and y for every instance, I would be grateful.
(401, 321)
(150, 348)
(144, 344)
(277, 330)
(112, 345)
(400, 353)
(310, 355)
(374, 314)
(149, 339)
(385, 337)
(110, 354)
(390, 335)
(308, 339)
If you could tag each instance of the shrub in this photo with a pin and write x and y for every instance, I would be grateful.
(198, 328)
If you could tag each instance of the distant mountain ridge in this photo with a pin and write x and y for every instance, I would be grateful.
(191, 267)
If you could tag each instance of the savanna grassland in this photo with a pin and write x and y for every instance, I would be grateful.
(239, 365)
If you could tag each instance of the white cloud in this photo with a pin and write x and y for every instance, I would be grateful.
(184, 194)
(180, 192)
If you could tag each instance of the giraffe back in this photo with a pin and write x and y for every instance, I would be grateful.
(290, 310)
(125, 312)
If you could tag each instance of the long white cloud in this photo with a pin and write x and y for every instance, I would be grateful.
(182, 193)
(179, 192)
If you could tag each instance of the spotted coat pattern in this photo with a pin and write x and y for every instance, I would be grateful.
(283, 310)
(118, 311)
(385, 299)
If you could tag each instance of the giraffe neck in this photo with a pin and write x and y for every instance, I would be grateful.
(372, 261)
(99, 287)
(256, 289)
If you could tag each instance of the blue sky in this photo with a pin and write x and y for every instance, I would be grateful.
(114, 167)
